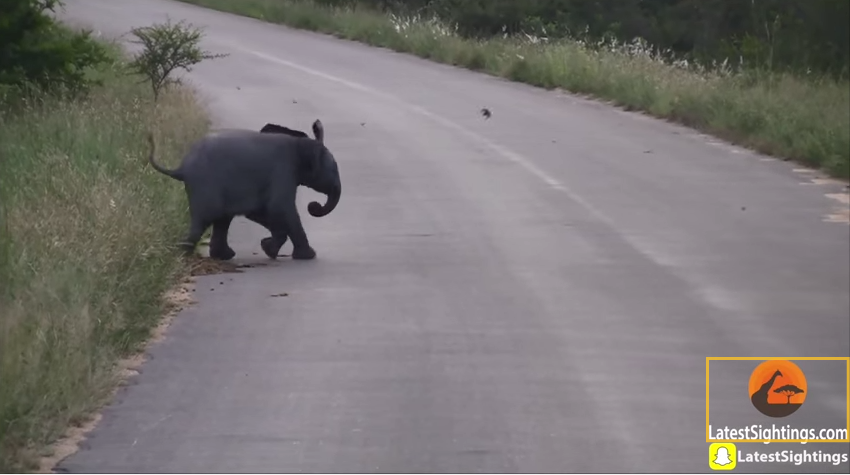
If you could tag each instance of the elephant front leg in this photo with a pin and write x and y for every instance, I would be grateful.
(219, 249)
(286, 220)
(271, 245)
(268, 244)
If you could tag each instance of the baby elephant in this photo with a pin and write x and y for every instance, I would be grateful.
(256, 175)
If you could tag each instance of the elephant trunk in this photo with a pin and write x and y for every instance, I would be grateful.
(316, 209)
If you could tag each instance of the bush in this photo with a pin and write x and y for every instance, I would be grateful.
(36, 51)
(167, 47)
(779, 35)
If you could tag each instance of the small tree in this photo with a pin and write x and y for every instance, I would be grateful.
(167, 46)
(789, 391)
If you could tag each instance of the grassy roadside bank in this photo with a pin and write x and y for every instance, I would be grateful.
(806, 120)
(86, 248)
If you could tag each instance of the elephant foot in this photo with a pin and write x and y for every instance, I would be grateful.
(269, 248)
(187, 249)
(303, 253)
(222, 253)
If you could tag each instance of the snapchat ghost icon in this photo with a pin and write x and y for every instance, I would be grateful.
(722, 456)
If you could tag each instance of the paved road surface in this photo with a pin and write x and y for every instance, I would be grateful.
(532, 293)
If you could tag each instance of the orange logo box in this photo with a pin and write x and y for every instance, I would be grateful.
(777, 388)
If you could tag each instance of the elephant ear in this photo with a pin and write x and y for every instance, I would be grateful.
(319, 131)
(310, 154)
(279, 129)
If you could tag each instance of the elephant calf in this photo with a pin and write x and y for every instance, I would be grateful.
(256, 175)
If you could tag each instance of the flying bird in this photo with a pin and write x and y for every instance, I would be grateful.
(486, 113)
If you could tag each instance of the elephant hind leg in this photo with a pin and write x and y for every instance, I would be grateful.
(219, 249)
(196, 231)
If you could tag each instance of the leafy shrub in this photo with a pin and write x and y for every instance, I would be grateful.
(36, 51)
(167, 47)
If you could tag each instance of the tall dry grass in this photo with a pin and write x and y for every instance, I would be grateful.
(87, 233)
(806, 119)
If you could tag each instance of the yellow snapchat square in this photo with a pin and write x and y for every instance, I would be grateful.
(722, 456)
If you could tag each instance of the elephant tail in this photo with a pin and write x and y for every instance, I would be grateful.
(172, 173)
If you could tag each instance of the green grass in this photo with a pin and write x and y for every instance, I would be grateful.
(87, 233)
(802, 119)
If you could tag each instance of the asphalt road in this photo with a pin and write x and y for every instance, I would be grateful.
(536, 292)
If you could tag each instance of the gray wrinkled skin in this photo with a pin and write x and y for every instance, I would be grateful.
(256, 175)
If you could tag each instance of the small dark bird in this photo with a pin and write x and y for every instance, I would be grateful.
(486, 113)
